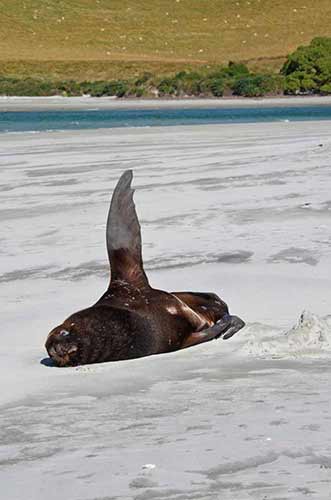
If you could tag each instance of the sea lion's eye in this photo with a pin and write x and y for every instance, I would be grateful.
(64, 333)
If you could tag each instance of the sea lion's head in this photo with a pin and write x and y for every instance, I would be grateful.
(63, 344)
(69, 343)
(92, 335)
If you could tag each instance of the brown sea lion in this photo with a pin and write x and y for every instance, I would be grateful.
(132, 319)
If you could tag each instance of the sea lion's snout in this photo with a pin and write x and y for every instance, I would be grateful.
(61, 347)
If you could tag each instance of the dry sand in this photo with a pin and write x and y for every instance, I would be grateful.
(80, 103)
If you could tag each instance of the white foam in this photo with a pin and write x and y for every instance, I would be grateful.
(309, 337)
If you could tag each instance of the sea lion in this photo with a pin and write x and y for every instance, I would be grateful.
(132, 319)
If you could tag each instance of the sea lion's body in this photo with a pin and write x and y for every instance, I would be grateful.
(132, 319)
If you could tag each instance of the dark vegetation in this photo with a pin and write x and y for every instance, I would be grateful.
(233, 79)
(306, 71)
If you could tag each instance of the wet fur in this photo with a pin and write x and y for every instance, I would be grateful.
(132, 319)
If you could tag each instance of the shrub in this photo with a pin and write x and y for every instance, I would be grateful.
(136, 90)
(188, 83)
(257, 85)
(326, 89)
(308, 69)
(69, 88)
(26, 87)
(144, 78)
(292, 85)
(167, 86)
(300, 83)
(95, 89)
(104, 88)
(139, 91)
(212, 87)
(236, 70)
(118, 88)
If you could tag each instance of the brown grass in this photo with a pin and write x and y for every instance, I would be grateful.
(102, 38)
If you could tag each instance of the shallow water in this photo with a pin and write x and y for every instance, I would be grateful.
(37, 121)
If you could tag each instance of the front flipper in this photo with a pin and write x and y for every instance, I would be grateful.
(225, 327)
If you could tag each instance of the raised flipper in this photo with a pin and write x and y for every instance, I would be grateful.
(225, 328)
(124, 236)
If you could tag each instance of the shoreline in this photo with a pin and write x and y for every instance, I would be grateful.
(203, 128)
(58, 103)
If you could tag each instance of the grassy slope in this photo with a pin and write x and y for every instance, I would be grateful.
(107, 38)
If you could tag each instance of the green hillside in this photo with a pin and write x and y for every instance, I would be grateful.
(84, 39)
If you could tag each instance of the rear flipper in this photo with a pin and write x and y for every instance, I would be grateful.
(236, 324)
(225, 327)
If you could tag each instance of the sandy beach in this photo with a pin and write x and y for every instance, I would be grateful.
(242, 210)
(87, 103)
